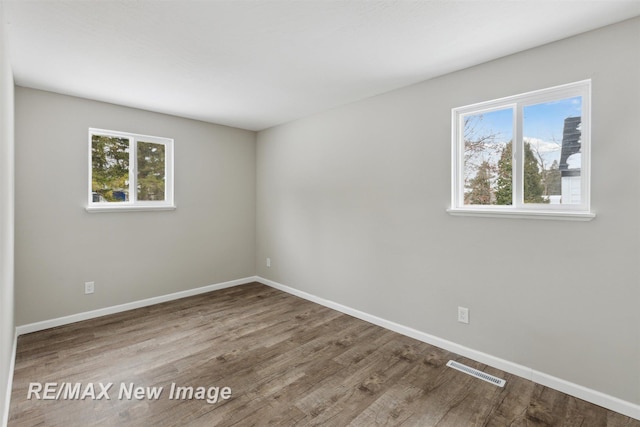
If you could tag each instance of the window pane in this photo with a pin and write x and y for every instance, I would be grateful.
(487, 158)
(151, 167)
(552, 155)
(110, 168)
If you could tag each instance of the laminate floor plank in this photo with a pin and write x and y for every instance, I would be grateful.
(287, 361)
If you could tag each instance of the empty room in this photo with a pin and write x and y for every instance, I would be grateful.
(320, 213)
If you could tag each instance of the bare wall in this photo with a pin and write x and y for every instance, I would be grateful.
(208, 239)
(7, 328)
(351, 208)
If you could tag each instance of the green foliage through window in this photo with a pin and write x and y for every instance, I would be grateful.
(110, 168)
(533, 188)
(504, 183)
(150, 171)
(490, 178)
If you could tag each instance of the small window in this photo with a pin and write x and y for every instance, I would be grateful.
(129, 171)
(525, 155)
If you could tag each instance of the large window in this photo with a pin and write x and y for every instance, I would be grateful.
(129, 171)
(525, 155)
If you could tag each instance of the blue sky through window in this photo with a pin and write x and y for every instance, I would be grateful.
(543, 125)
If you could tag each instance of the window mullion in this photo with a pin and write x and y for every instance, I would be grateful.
(459, 154)
(586, 148)
(518, 158)
(133, 167)
(168, 171)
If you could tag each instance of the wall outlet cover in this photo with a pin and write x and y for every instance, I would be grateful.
(463, 315)
(89, 287)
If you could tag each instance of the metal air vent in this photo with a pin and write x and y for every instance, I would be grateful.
(476, 373)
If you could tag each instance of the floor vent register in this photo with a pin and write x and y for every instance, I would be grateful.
(476, 373)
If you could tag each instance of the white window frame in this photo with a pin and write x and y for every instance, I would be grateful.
(518, 209)
(133, 204)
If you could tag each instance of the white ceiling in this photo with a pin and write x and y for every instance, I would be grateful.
(255, 64)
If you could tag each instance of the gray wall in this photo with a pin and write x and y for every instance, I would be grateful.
(209, 239)
(351, 207)
(6, 217)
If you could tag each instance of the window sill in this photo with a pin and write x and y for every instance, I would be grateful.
(523, 214)
(129, 208)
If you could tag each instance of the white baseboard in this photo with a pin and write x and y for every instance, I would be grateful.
(606, 401)
(7, 398)
(613, 403)
(46, 324)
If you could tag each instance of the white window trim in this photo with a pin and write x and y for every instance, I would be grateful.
(581, 212)
(134, 205)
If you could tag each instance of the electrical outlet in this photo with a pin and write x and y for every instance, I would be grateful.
(89, 287)
(269, 262)
(463, 315)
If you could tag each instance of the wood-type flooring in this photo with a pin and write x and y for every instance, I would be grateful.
(287, 361)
